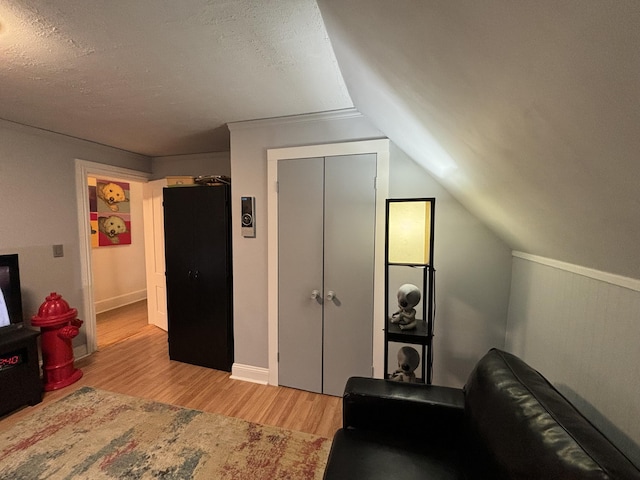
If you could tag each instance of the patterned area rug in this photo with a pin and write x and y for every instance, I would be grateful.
(94, 434)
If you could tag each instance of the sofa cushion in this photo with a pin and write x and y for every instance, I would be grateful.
(405, 408)
(364, 454)
(531, 430)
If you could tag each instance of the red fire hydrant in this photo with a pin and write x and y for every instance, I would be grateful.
(59, 325)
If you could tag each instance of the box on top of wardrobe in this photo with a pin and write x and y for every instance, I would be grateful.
(179, 181)
(207, 180)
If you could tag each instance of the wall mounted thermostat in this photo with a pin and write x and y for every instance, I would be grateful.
(248, 217)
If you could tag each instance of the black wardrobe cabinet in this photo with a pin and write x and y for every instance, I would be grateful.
(197, 225)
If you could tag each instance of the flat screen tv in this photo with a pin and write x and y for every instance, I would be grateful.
(11, 298)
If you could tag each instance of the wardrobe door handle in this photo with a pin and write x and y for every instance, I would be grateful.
(331, 295)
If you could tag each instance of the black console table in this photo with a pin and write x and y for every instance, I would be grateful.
(20, 382)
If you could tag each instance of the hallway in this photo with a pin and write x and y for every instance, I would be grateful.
(116, 325)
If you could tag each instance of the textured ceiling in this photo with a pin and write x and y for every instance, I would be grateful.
(527, 112)
(163, 77)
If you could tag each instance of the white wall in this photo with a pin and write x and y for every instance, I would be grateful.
(38, 208)
(580, 329)
(472, 280)
(473, 265)
(119, 276)
(249, 144)
(214, 163)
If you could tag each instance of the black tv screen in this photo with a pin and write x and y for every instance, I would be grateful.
(11, 301)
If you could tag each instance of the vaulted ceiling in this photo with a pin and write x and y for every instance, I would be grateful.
(527, 112)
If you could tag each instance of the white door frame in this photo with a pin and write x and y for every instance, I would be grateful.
(381, 149)
(85, 169)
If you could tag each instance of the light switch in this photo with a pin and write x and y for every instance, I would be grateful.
(58, 251)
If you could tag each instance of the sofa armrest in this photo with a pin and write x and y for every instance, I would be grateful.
(410, 408)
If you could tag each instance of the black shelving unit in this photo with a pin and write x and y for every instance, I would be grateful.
(423, 333)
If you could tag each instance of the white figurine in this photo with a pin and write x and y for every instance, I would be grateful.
(408, 360)
(408, 297)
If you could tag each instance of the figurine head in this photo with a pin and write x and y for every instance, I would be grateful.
(408, 359)
(408, 296)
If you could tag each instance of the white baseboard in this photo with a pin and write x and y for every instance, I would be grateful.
(102, 306)
(80, 351)
(249, 373)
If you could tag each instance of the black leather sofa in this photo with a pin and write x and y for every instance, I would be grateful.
(507, 422)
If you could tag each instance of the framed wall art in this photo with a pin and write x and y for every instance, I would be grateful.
(110, 213)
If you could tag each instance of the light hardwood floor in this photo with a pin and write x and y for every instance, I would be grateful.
(139, 365)
(121, 323)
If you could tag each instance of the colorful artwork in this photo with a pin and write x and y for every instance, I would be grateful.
(110, 216)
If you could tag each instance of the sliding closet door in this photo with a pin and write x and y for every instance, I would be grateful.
(300, 272)
(349, 229)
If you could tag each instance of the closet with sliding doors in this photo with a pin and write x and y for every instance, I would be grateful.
(326, 231)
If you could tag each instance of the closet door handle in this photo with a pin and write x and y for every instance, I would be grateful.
(331, 295)
(316, 295)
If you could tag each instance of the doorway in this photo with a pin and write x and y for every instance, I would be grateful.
(117, 257)
(84, 170)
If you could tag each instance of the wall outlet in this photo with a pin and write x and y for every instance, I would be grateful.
(58, 251)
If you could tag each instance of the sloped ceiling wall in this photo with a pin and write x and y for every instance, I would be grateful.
(527, 112)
